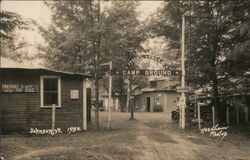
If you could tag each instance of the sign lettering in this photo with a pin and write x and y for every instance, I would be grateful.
(216, 131)
(45, 131)
(13, 88)
(146, 72)
(55, 131)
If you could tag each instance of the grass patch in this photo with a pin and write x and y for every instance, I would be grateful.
(89, 145)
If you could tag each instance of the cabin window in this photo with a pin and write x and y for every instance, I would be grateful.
(157, 101)
(50, 91)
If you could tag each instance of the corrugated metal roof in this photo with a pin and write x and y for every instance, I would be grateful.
(10, 64)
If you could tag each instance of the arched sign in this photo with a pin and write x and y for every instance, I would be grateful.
(129, 72)
(151, 57)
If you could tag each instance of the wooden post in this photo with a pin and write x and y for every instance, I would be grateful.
(237, 114)
(228, 115)
(84, 109)
(116, 104)
(53, 116)
(180, 113)
(213, 114)
(180, 116)
(246, 114)
(183, 98)
(199, 115)
(110, 92)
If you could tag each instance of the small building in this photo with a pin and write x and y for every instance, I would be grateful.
(28, 93)
(160, 96)
(115, 106)
(104, 98)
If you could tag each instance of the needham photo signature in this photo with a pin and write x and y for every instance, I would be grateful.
(216, 131)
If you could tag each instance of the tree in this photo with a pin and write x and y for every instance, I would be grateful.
(75, 26)
(74, 39)
(212, 35)
(123, 36)
(82, 36)
(211, 46)
(238, 58)
(123, 39)
(15, 48)
(9, 21)
(68, 38)
(12, 44)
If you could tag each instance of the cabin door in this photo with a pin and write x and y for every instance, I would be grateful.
(148, 104)
(88, 90)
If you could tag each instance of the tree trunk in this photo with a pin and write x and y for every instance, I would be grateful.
(216, 99)
(96, 63)
(97, 68)
(130, 102)
(96, 98)
(128, 96)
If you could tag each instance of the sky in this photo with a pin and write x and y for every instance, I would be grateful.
(39, 12)
(28, 9)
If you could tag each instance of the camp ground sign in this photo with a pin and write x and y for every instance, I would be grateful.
(19, 88)
(146, 72)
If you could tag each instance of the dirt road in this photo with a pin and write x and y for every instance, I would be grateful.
(152, 136)
(160, 139)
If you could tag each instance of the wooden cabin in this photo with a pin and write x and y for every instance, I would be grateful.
(159, 96)
(28, 93)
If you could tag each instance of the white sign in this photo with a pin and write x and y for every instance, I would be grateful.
(74, 94)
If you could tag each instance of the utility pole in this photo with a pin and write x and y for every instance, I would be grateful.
(110, 92)
(183, 97)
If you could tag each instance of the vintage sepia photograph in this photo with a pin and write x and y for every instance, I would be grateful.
(125, 80)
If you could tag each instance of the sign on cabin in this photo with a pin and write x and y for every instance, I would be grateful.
(19, 88)
(74, 94)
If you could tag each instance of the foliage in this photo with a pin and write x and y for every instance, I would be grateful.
(215, 37)
(78, 32)
(9, 21)
(15, 48)
(13, 45)
(122, 39)
(212, 36)
(123, 36)
(69, 40)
